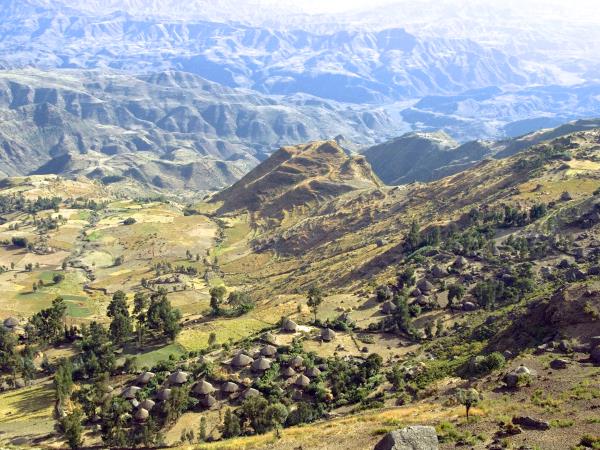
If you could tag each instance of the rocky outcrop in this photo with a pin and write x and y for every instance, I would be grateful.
(531, 422)
(410, 438)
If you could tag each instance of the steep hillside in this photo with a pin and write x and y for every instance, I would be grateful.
(360, 234)
(431, 156)
(171, 129)
(298, 176)
(411, 157)
(315, 297)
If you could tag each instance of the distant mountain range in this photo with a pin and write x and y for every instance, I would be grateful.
(168, 129)
(348, 65)
(182, 95)
(493, 112)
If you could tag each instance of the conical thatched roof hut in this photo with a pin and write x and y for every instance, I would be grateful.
(460, 262)
(241, 360)
(328, 334)
(425, 286)
(289, 326)
(179, 377)
(250, 392)
(268, 350)
(388, 307)
(261, 364)
(313, 372)
(144, 378)
(229, 387)
(203, 387)
(438, 272)
(288, 372)
(131, 392)
(208, 401)
(141, 415)
(11, 322)
(147, 404)
(296, 361)
(269, 338)
(163, 394)
(302, 381)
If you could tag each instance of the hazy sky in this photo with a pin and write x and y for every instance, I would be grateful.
(333, 6)
(547, 6)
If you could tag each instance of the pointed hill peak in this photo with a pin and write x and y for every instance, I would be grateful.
(297, 176)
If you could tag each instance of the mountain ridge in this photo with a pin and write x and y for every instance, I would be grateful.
(351, 66)
(425, 156)
(297, 176)
(110, 123)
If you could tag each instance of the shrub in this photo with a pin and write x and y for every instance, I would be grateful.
(18, 241)
(129, 221)
(58, 277)
(562, 423)
(483, 365)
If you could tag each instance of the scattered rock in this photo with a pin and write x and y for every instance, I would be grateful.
(512, 379)
(381, 242)
(546, 272)
(566, 197)
(460, 262)
(582, 348)
(564, 346)
(559, 364)
(469, 306)
(595, 270)
(523, 370)
(543, 348)
(595, 354)
(438, 272)
(425, 286)
(580, 254)
(574, 274)
(531, 423)
(410, 438)
(508, 354)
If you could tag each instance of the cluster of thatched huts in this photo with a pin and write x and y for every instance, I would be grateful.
(293, 373)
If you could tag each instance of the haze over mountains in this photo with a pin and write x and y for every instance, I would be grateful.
(168, 129)
(194, 95)
(346, 65)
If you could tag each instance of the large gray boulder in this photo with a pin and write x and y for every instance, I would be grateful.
(417, 437)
